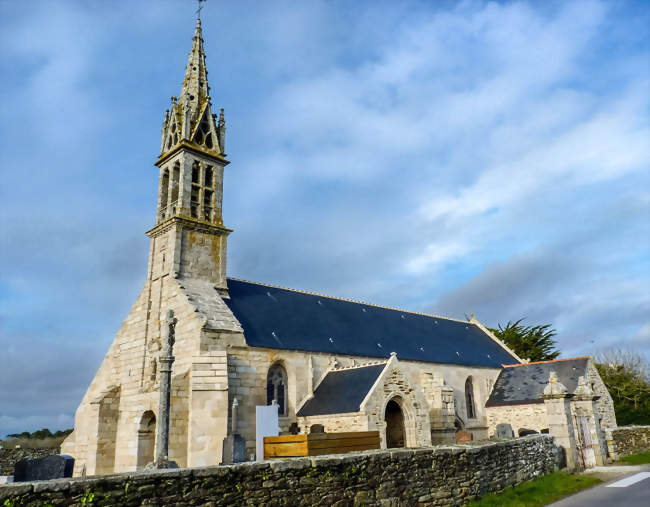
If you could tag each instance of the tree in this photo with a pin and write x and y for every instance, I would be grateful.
(627, 377)
(529, 342)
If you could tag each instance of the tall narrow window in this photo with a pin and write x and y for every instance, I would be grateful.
(164, 193)
(469, 398)
(196, 189)
(176, 175)
(195, 172)
(276, 388)
(208, 176)
(207, 204)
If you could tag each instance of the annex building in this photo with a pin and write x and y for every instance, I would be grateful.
(345, 365)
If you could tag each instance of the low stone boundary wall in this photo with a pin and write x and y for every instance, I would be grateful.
(628, 440)
(9, 457)
(444, 475)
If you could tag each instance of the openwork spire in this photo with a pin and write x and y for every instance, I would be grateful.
(190, 119)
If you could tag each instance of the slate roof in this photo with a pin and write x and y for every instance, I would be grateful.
(205, 298)
(518, 384)
(355, 382)
(280, 318)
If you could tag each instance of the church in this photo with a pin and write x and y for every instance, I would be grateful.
(340, 364)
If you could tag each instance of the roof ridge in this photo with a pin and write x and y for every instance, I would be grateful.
(542, 362)
(357, 366)
(356, 301)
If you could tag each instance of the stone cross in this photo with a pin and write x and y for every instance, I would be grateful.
(166, 359)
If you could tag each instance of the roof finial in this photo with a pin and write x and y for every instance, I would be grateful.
(198, 11)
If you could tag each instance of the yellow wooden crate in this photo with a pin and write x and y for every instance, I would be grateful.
(316, 444)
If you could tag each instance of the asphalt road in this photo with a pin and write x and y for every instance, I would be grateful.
(628, 490)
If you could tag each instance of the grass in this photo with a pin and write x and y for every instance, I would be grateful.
(32, 443)
(637, 459)
(540, 491)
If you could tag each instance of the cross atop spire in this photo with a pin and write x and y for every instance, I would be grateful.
(198, 11)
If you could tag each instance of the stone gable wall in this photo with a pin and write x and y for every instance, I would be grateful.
(9, 457)
(449, 475)
(605, 405)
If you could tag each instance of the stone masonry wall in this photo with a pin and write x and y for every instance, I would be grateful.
(630, 440)
(449, 475)
(531, 416)
(9, 457)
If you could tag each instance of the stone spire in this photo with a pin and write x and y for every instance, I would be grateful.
(190, 119)
(195, 92)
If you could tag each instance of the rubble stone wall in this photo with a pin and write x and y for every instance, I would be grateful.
(445, 475)
(629, 440)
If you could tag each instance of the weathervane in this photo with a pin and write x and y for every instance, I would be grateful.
(198, 11)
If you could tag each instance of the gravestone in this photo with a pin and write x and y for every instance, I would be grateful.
(317, 428)
(266, 425)
(463, 437)
(504, 430)
(234, 449)
(56, 466)
(523, 432)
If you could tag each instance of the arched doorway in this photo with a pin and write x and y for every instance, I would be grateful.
(146, 438)
(395, 432)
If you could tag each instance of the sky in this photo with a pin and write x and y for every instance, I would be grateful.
(456, 158)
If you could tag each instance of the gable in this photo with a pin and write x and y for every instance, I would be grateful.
(342, 391)
(525, 383)
(278, 318)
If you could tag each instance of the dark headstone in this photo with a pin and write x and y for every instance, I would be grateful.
(504, 430)
(234, 449)
(317, 428)
(523, 432)
(56, 466)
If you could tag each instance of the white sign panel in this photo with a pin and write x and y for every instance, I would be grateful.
(266, 425)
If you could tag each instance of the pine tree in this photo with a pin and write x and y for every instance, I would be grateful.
(529, 342)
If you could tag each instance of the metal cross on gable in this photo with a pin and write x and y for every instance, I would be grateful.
(198, 11)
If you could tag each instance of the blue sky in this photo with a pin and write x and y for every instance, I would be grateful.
(456, 158)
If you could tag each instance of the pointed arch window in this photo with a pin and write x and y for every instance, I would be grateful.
(469, 398)
(276, 388)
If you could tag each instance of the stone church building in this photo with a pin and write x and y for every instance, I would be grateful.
(346, 365)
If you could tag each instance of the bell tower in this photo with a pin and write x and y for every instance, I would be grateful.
(189, 238)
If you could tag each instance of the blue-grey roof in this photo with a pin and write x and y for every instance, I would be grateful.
(355, 383)
(525, 383)
(280, 318)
